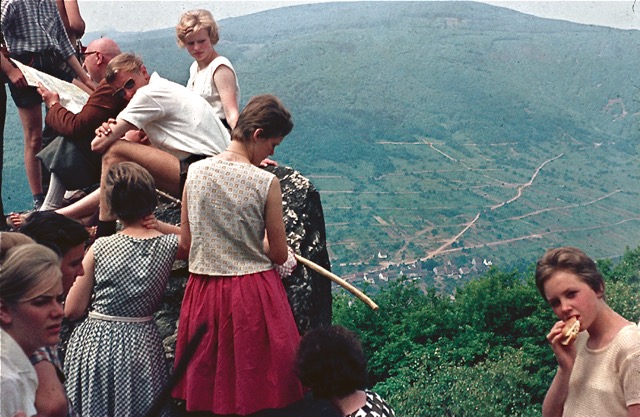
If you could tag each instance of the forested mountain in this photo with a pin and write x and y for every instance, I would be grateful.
(441, 131)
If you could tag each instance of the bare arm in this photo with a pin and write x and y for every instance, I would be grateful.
(225, 82)
(80, 294)
(109, 132)
(185, 232)
(275, 244)
(82, 75)
(553, 405)
(51, 399)
(150, 222)
(72, 19)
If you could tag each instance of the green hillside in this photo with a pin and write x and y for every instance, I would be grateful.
(444, 130)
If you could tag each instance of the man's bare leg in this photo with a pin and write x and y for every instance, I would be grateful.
(82, 208)
(80, 211)
(163, 167)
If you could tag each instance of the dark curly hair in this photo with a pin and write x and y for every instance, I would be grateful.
(331, 362)
(55, 231)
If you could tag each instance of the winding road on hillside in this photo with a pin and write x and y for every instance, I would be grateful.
(520, 190)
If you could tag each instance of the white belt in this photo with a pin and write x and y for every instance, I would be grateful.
(99, 316)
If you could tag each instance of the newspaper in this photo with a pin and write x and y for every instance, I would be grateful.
(72, 97)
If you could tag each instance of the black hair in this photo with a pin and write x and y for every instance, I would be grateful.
(55, 231)
(331, 362)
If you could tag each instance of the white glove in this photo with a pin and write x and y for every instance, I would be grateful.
(288, 266)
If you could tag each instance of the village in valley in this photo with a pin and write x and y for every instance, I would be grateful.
(443, 274)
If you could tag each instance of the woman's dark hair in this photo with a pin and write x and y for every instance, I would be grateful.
(571, 260)
(264, 112)
(331, 362)
(131, 191)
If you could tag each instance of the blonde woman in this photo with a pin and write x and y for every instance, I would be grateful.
(31, 314)
(211, 75)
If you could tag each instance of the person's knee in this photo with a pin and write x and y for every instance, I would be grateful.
(33, 143)
(114, 154)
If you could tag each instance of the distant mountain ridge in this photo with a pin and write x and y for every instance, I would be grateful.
(420, 120)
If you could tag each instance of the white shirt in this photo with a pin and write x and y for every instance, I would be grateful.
(18, 379)
(176, 120)
(201, 82)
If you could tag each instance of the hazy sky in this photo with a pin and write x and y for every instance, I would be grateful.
(133, 16)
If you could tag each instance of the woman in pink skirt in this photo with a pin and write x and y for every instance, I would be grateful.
(232, 224)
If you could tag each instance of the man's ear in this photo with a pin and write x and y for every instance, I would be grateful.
(143, 71)
(5, 314)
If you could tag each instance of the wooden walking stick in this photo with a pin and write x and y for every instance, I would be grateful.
(333, 277)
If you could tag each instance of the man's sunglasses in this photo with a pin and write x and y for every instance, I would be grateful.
(120, 92)
(84, 54)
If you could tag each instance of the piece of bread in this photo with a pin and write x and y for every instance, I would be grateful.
(570, 330)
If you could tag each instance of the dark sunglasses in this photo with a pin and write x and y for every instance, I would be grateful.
(120, 92)
(84, 54)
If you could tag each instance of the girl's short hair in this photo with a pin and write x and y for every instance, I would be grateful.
(24, 268)
(264, 112)
(125, 61)
(571, 260)
(194, 20)
(331, 362)
(131, 191)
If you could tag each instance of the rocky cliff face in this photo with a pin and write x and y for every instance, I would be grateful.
(309, 293)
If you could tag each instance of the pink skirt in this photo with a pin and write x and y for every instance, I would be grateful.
(245, 360)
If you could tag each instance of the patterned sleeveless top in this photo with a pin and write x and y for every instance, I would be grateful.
(226, 203)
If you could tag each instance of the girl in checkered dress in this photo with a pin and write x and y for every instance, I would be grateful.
(115, 363)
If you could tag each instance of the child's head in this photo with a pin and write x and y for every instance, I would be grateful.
(131, 191)
(571, 260)
(331, 362)
(264, 112)
(194, 20)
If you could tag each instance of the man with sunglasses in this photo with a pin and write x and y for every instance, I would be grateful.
(181, 128)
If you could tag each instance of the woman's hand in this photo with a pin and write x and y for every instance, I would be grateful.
(150, 222)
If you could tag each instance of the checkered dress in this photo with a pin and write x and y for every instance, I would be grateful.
(374, 407)
(115, 368)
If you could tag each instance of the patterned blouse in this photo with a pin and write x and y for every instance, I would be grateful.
(374, 407)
